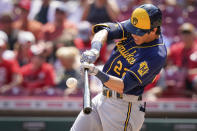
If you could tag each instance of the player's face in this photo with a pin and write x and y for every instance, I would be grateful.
(140, 39)
(148, 37)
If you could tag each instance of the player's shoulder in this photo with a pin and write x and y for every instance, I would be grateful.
(97, 27)
(124, 24)
(153, 45)
(154, 53)
(108, 26)
(155, 49)
(115, 30)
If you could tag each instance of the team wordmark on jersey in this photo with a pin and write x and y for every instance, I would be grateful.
(126, 54)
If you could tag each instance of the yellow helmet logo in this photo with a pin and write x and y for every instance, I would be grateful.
(140, 19)
(135, 21)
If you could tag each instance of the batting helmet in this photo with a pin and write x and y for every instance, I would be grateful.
(143, 19)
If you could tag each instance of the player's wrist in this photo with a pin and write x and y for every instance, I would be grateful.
(95, 52)
(92, 69)
(102, 76)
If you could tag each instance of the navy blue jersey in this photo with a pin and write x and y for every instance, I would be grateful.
(137, 65)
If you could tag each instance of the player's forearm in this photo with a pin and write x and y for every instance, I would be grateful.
(112, 82)
(115, 84)
(99, 39)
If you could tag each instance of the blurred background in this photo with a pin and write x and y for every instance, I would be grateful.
(40, 45)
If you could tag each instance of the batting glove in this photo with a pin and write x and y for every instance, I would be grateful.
(92, 69)
(89, 56)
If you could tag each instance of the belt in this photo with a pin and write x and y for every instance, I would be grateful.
(109, 93)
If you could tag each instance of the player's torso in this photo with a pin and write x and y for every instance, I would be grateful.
(122, 58)
(126, 54)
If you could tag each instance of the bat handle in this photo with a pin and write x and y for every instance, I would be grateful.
(87, 107)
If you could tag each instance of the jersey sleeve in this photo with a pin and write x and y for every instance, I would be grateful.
(141, 74)
(115, 30)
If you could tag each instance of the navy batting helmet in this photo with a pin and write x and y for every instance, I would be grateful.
(143, 19)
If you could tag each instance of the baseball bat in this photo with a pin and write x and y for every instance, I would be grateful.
(87, 106)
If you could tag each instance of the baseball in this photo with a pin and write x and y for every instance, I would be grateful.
(71, 82)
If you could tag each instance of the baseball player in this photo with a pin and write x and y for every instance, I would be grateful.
(135, 61)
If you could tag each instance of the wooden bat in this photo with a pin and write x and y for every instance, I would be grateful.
(87, 105)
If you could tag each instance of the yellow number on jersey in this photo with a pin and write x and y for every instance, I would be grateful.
(118, 67)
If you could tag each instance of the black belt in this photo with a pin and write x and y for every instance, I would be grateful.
(108, 94)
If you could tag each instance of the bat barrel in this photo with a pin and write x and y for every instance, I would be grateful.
(87, 107)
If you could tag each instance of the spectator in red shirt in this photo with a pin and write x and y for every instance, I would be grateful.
(9, 69)
(184, 55)
(38, 75)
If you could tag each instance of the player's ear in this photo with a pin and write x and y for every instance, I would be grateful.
(154, 30)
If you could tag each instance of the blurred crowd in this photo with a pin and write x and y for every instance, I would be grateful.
(41, 42)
